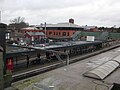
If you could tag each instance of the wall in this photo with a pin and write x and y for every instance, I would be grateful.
(59, 33)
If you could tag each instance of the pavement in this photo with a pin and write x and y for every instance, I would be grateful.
(71, 77)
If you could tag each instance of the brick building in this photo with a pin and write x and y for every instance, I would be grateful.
(62, 30)
(34, 35)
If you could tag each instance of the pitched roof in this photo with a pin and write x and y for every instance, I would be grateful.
(30, 28)
(88, 27)
(35, 33)
(60, 25)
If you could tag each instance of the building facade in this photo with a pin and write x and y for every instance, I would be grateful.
(59, 30)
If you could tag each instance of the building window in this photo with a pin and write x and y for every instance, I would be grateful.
(73, 32)
(54, 33)
(64, 34)
(68, 34)
(59, 33)
(7, 35)
(50, 33)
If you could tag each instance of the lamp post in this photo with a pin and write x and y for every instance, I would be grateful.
(45, 34)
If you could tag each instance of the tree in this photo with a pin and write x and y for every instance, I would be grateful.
(18, 20)
(18, 23)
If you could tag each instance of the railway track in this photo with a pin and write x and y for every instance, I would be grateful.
(34, 72)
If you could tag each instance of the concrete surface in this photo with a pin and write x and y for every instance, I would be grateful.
(71, 77)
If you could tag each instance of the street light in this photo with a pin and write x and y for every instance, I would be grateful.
(45, 34)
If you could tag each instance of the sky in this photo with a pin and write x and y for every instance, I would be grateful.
(85, 12)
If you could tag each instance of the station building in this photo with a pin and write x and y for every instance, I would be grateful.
(64, 30)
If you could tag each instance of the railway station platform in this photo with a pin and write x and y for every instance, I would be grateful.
(71, 77)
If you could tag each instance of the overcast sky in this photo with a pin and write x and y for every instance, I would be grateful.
(85, 12)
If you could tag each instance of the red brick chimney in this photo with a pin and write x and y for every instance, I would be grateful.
(71, 21)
